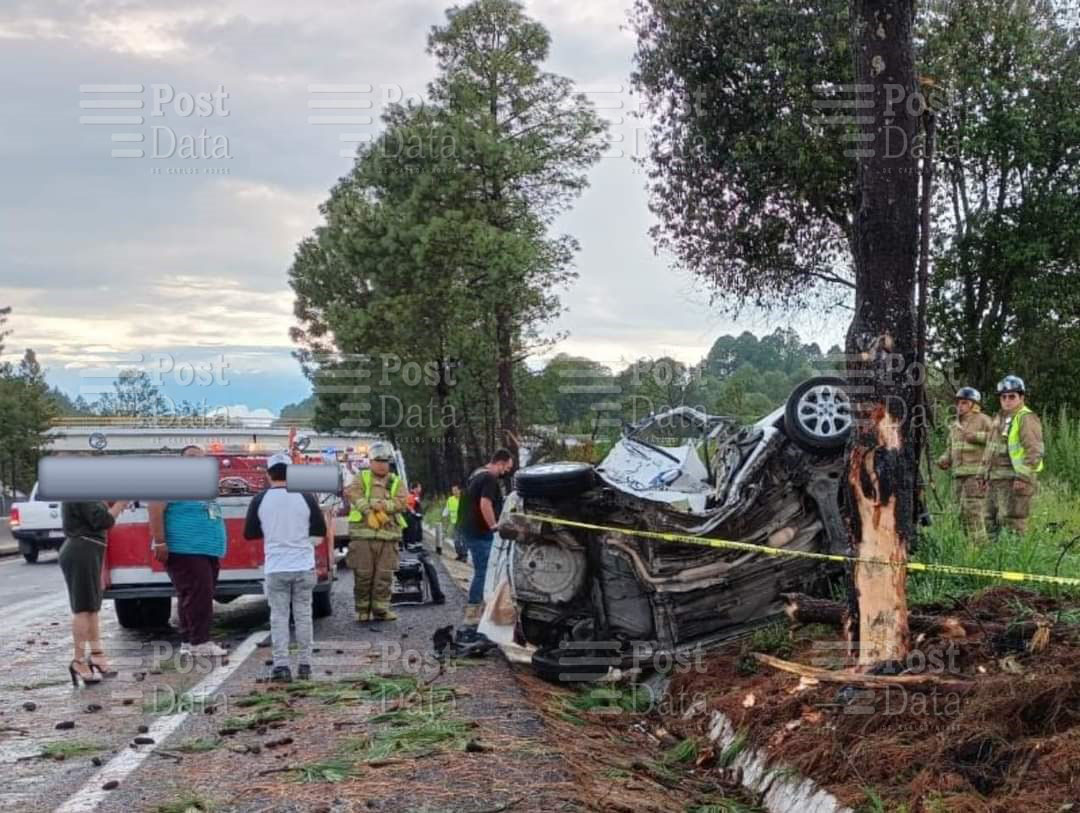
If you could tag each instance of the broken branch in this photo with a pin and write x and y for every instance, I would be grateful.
(862, 679)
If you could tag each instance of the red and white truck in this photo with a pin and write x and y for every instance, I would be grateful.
(139, 585)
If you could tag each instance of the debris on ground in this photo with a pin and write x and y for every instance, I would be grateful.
(996, 729)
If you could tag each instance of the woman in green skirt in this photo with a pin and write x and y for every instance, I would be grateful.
(81, 558)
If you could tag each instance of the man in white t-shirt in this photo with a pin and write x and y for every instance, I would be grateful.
(287, 521)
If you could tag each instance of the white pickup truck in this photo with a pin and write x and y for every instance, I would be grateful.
(36, 526)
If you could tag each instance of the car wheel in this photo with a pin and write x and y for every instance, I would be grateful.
(818, 415)
(578, 665)
(30, 555)
(321, 604)
(554, 480)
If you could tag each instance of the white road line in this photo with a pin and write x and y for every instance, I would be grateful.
(91, 795)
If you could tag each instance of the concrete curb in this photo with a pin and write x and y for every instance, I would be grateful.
(783, 790)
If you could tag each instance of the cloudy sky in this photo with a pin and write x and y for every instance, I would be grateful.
(176, 260)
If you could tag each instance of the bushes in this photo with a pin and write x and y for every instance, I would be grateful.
(1061, 435)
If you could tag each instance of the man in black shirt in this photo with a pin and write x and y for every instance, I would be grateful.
(479, 513)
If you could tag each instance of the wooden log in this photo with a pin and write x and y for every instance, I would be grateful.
(804, 609)
(868, 681)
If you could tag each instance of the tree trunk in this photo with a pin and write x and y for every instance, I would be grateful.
(509, 431)
(881, 339)
(452, 467)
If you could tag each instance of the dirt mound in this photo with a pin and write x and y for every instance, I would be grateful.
(1011, 742)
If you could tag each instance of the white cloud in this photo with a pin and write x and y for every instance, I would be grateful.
(105, 260)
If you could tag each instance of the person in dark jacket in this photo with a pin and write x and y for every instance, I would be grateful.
(81, 558)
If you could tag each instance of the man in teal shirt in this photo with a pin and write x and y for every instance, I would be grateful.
(189, 539)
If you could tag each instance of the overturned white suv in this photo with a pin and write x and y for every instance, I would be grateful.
(592, 598)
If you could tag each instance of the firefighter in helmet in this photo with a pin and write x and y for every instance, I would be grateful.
(968, 436)
(376, 498)
(1014, 458)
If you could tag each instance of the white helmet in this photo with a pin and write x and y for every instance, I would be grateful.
(381, 450)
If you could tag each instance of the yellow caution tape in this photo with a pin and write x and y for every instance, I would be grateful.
(927, 567)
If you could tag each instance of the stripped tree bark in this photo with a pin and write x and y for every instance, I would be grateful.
(881, 342)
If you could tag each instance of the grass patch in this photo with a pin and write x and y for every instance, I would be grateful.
(734, 748)
(332, 770)
(364, 689)
(261, 717)
(259, 700)
(412, 733)
(633, 699)
(681, 753)
(1055, 521)
(771, 639)
(199, 745)
(190, 803)
(70, 749)
(407, 734)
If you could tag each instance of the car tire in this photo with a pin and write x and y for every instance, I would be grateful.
(143, 613)
(818, 415)
(30, 555)
(559, 665)
(554, 480)
(321, 604)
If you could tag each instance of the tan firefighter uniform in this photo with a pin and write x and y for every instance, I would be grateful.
(964, 457)
(1014, 455)
(376, 518)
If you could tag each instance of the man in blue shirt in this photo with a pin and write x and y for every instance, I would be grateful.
(189, 539)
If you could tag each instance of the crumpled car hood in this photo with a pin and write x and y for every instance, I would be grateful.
(678, 478)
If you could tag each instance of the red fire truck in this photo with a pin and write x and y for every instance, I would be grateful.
(138, 584)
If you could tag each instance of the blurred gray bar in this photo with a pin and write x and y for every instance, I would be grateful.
(313, 477)
(127, 478)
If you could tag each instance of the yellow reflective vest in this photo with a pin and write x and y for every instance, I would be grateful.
(355, 515)
(1016, 448)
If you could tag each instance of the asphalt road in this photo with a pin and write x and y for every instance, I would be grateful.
(36, 695)
(21, 582)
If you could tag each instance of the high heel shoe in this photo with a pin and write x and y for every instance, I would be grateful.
(76, 675)
(103, 668)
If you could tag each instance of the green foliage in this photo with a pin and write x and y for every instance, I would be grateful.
(754, 194)
(1061, 435)
(301, 409)
(134, 395)
(1054, 522)
(436, 248)
(631, 699)
(751, 187)
(681, 753)
(412, 733)
(731, 752)
(741, 377)
(26, 408)
(1007, 214)
(772, 639)
(335, 769)
(70, 749)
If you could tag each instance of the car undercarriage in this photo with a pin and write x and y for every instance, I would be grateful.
(594, 584)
